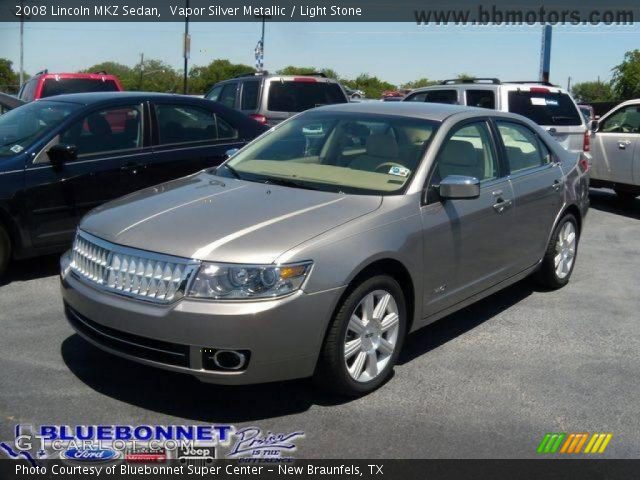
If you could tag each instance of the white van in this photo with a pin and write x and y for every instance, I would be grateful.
(548, 105)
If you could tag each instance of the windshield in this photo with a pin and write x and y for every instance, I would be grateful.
(545, 108)
(299, 96)
(22, 126)
(53, 87)
(337, 151)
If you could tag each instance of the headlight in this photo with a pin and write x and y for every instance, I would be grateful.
(235, 282)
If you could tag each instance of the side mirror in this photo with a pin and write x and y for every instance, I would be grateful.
(594, 126)
(231, 152)
(459, 186)
(61, 153)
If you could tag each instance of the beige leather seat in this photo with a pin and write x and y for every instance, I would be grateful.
(381, 148)
(460, 158)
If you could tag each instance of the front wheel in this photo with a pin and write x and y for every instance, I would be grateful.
(559, 258)
(364, 338)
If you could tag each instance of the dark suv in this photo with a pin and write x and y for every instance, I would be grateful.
(44, 84)
(270, 99)
(62, 156)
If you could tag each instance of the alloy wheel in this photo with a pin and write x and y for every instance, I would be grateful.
(565, 250)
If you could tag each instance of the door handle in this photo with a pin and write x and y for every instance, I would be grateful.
(557, 185)
(501, 205)
(623, 144)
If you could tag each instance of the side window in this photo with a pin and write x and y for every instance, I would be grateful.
(469, 152)
(522, 146)
(187, 124)
(250, 95)
(481, 98)
(228, 95)
(28, 90)
(108, 130)
(214, 94)
(435, 96)
(625, 120)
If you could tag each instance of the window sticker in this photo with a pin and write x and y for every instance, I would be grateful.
(399, 171)
(541, 102)
(552, 103)
(17, 148)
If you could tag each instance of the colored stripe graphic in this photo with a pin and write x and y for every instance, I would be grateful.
(572, 443)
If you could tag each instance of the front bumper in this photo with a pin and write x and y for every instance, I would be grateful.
(284, 336)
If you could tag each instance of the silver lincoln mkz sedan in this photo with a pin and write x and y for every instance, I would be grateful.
(315, 249)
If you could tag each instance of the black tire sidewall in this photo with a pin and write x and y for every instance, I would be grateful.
(344, 382)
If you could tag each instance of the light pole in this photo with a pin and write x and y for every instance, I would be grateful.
(187, 48)
(23, 17)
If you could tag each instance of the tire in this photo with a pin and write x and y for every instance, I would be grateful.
(625, 197)
(549, 274)
(370, 361)
(5, 250)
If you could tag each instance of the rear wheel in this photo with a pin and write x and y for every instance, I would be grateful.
(625, 197)
(364, 338)
(5, 250)
(559, 259)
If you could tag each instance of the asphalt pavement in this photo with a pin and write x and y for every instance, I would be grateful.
(488, 381)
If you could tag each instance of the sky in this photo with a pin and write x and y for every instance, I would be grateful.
(396, 52)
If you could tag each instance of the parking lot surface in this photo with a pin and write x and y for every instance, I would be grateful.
(488, 381)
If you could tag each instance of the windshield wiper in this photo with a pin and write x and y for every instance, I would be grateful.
(233, 171)
(285, 182)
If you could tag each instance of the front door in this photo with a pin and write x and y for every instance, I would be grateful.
(615, 145)
(467, 241)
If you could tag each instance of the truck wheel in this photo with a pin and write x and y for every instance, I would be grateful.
(5, 250)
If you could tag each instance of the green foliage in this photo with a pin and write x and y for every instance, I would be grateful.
(123, 72)
(202, 78)
(156, 76)
(291, 70)
(589, 92)
(9, 80)
(465, 76)
(421, 82)
(626, 76)
(371, 85)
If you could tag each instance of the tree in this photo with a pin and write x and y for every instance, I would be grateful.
(291, 70)
(589, 92)
(372, 86)
(421, 82)
(123, 72)
(464, 77)
(155, 76)
(201, 78)
(626, 76)
(9, 80)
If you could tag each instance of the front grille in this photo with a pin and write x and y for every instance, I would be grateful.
(134, 273)
(134, 345)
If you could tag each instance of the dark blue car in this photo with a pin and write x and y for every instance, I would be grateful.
(63, 156)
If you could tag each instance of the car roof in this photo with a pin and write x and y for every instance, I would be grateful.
(428, 111)
(490, 86)
(92, 76)
(89, 98)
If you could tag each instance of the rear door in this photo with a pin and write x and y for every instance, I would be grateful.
(616, 145)
(187, 138)
(537, 182)
(552, 109)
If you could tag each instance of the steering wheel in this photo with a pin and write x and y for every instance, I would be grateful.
(386, 166)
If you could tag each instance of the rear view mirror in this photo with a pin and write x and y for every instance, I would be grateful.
(594, 125)
(231, 152)
(61, 153)
(459, 186)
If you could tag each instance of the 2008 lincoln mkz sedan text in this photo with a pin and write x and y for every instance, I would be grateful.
(316, 248)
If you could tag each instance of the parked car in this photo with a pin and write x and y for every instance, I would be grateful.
(318, 246)
(8, 102)
(548, 105)
(615, 156)
(588, 113)
(63, 156)
(354, 94)
(393, 94)
(270, 99)
(44, 84)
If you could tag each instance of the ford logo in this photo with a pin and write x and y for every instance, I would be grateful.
(90, 455)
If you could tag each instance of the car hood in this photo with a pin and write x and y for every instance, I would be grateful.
(220, 219)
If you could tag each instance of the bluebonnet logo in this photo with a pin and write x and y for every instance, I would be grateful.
(90, 455)
(251, 442)
(16, 455)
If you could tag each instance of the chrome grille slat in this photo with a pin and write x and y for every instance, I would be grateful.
(130, 272)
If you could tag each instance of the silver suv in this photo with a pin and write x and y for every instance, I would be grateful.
(317, 247)
(548, 105)
(270, 99)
